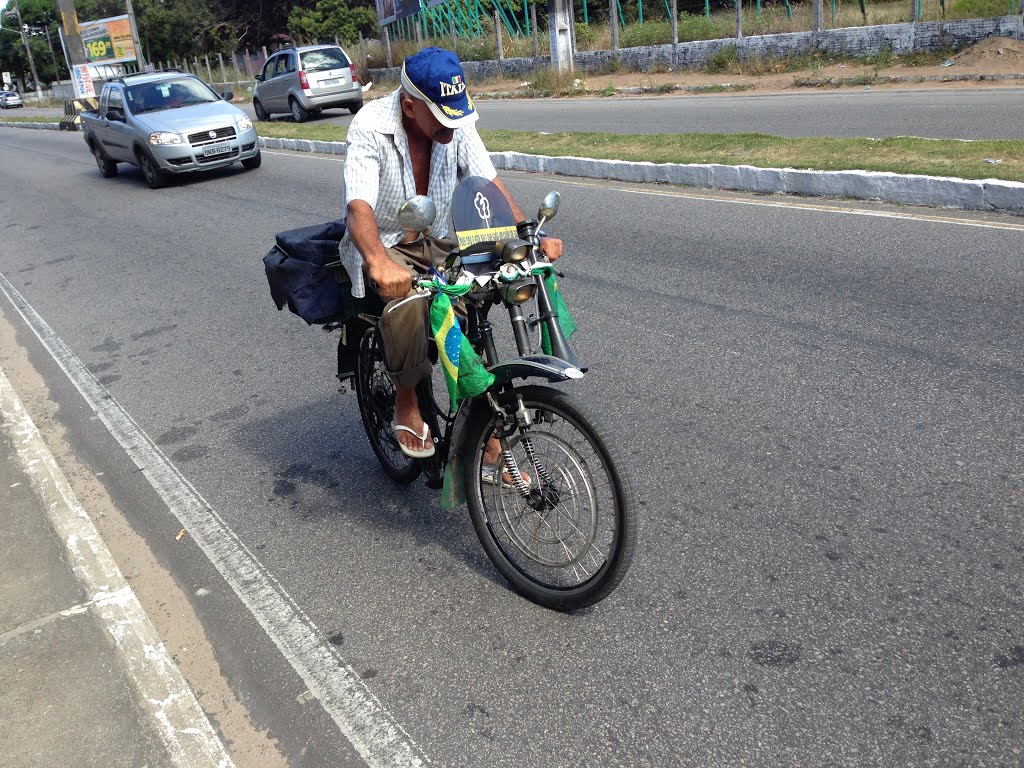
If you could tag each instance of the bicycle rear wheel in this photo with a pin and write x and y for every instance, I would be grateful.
(565, 538)
(376, 394)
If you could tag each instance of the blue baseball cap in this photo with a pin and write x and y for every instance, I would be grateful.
(435, 76)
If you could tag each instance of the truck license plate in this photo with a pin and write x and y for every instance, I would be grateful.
(220, 149)
(328, 83)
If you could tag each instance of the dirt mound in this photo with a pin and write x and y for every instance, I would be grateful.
(998, 51)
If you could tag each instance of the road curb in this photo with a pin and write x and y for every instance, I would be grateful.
(937, 191)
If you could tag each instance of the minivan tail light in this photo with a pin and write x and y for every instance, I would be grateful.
(355, 75)
(303, 81)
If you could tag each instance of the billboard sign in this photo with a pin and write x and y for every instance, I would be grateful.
(108, 41)
(393, 10)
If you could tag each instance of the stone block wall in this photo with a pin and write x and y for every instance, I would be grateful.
(850, 41)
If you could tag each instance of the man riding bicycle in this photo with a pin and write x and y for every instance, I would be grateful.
(420, 140)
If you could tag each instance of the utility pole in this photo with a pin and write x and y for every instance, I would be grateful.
(140, 59)
(72, 36)
(28, 50)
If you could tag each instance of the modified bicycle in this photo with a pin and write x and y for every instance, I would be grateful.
(556, 515)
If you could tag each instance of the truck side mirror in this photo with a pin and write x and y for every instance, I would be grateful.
(227, 95)
(115, 113)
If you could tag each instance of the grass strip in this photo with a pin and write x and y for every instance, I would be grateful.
(942, 157)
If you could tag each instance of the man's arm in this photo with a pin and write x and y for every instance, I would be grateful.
(551, 246)
(393, 281)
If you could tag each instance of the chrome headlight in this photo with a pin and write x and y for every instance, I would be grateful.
(513, 251)
(164, 137)
(244, 123)
(517, 293)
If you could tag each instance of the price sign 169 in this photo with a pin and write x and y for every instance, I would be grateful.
(99, 48)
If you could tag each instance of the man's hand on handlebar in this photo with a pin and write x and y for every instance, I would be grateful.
(552, 247)
(393, 281)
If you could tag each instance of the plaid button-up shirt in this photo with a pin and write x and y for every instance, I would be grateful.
(378, 169)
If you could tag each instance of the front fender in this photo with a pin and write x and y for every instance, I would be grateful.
(542, 366)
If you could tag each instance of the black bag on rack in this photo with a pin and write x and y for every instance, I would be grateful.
(299, 277)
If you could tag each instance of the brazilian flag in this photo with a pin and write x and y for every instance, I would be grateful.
(463, 369)
(565, 321)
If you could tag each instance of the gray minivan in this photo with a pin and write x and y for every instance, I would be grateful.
(304, 81)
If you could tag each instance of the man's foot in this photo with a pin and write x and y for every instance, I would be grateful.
(413, 435)
(492, 457)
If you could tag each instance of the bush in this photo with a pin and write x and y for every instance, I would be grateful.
(648, 33)
(723, 60)
(696, 28)
(978, 9)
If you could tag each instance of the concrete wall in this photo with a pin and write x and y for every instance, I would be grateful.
(852, 41)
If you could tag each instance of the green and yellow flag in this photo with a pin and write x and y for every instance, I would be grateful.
(565, 321)
(463, 369)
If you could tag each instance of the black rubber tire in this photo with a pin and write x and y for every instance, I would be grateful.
(353, 108)
(254, 162)
(299, 113)
(155, 178)
(622, 518)
(108, 168)
(377, 409)
(261, 114)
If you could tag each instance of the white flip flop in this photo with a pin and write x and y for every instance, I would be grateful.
(414, 453)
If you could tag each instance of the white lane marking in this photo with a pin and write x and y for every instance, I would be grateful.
(162, 690)
(820, 208)
(369, 727)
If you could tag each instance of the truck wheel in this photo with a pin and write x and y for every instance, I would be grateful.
(299, 113)
(107, 167)
(155, 178)
(261, 113)
(251, 163)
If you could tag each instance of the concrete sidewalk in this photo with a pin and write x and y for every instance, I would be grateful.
(64, 696)
(84, 678)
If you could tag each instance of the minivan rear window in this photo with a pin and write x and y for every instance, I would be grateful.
(323, 59)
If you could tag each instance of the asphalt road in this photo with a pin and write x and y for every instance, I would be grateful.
(932, 113)
(822, 410)
(991, 113)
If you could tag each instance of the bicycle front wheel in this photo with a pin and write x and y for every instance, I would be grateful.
(554, 514)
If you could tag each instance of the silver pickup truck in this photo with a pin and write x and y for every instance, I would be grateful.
(167, 123)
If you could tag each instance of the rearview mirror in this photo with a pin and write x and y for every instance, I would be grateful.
(549, 207)
(259, 77)
(417, 213)
(114, 113)
(227, 95)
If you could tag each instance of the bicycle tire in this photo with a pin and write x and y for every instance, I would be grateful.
(507, 540)
(376, 395)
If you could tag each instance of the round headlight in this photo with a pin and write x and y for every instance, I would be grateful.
(518, 293)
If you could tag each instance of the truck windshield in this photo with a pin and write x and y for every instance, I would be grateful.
(168, 94)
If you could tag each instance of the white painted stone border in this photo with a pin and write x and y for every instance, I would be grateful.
(936, 191)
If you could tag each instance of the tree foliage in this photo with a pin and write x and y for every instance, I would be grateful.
(177, 29)
(327, 19)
